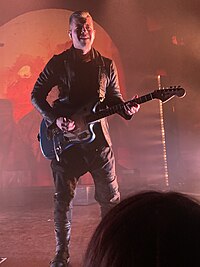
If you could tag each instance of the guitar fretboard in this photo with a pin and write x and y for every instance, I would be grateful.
(117, 108)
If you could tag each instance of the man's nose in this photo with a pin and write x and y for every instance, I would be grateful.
(83, 29)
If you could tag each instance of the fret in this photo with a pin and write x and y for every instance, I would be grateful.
(162, 94)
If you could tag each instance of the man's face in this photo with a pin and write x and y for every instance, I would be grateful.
(82, 33)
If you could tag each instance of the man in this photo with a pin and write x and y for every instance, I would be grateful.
(82, 76)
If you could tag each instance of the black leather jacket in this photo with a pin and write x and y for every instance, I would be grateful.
(59, 72)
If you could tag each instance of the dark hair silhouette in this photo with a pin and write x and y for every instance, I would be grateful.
(160, 229)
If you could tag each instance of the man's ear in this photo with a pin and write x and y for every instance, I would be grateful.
(70, 34)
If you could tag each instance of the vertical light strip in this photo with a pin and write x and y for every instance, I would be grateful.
(166, 176)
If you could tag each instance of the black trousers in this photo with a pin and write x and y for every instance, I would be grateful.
(74, 162)
(78, 160)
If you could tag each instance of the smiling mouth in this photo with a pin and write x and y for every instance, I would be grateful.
(84, 38)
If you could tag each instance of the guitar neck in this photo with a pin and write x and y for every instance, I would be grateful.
(117, 108)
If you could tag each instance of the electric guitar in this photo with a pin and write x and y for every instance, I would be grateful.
(85, 119)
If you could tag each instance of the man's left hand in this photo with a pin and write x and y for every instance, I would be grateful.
(133, 109)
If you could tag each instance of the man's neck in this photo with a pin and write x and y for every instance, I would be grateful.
(84, 56)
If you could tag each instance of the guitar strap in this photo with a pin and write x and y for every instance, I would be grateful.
(102, 77)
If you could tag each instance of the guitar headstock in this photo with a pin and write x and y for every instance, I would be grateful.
(166, 94)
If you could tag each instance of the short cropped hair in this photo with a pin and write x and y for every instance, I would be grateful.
(79, 15)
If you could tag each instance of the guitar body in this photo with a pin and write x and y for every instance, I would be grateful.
(83, 133)
(85, 119)
(46, 144)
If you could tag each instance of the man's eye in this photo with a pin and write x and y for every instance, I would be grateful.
(79, 28)
(88, 27)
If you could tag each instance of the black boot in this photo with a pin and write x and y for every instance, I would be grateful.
(62, 220)
(61, 259)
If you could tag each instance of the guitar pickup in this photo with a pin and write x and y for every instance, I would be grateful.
(66, 138)
(83, 135)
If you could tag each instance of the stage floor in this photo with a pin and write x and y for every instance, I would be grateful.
(27, 232)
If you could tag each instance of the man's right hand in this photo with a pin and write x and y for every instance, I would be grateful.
(66, 125)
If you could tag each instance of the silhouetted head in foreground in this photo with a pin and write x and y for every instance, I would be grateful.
(160, 229)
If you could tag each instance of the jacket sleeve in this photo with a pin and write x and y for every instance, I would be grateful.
(113, 94)
(45, 82)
